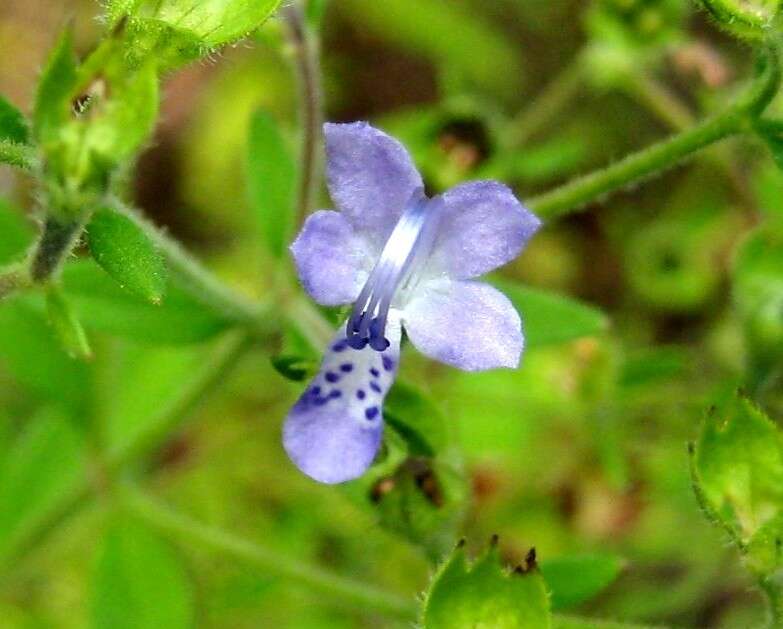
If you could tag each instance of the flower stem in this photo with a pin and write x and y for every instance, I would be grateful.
(306, 50)
(356, 593)
(577, 193)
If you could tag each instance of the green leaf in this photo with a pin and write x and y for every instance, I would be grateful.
(177, 31)
(737, 467)
(30, 351)
(416, 418)
(140, 582)
(296, 368)
(127, 254)
(573, 622)
(44, 464)
(13, 126)
(271, 182)
(55, 88)
(774, 139)
(102, 305)
(66, 326)
(548, 318)
(16, 234)
(483, 594)
(576, 579)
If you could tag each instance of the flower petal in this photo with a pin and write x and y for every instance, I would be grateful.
(468, 325)
(334, 431)
(370, 176)
(482, 226)
(331, 259)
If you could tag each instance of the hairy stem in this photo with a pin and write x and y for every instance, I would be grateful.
(203, 284)
(577, 193)
(12, 279)
(57, 239)
(15, 154)
(306, 51)
(355, 593)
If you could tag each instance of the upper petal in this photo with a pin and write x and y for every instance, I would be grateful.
(334, 431)
(331, 259)
(370, 176)
(468, 325)
(482, 226)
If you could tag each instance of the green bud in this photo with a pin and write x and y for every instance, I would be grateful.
(127, 254)
(746, 19)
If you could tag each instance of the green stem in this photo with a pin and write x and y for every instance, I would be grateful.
(546, 105)
(15, 154)
(356, 593)
(202, 283)
(306, 51)
(575, 194)
(12, 279)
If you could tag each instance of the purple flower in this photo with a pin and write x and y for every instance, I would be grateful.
(403, 260)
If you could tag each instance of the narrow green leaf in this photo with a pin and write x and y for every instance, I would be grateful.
(548, 318)
(44, 464)
(127, 255)
(13, 125)
(140, 582)
(55, 88)
(738, 467)
(102, 305)
(483, 594)
(66, 326)
(576, 579)
(271, 182)
(294, 368)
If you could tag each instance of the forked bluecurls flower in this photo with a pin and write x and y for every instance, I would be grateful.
(403, 260)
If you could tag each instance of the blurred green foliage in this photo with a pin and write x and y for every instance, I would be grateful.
(126, 364)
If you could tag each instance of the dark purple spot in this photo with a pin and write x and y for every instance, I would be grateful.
(375, 372)
(374, 386)
(331, 377)
(320, 401)
(346, 367)
(388, 363)
(371, 412)
(361, 394)
(335, 393)
(340, 346)
(315, 391)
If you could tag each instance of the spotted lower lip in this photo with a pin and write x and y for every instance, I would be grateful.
(407, 246)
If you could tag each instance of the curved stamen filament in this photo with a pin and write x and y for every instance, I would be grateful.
(407, 245)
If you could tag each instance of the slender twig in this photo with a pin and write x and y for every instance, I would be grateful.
(306, 50)
(179, 527)
(655, 159)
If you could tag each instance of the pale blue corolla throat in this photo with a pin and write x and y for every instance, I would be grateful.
(394, 274)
